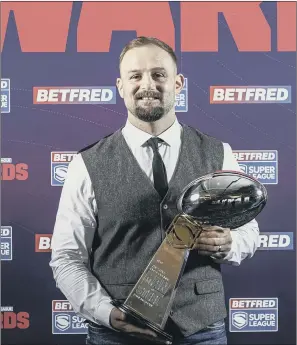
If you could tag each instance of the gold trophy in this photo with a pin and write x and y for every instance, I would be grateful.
(228, 199)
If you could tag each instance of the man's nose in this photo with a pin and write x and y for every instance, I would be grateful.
(147, 82)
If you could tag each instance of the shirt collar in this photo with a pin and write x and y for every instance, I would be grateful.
(172, 134)
(137, 137)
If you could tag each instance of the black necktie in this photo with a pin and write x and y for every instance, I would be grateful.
(159, 170)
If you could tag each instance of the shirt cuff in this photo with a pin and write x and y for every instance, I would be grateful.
(102, 316)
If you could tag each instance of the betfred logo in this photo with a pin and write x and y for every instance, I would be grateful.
(65, 320)
(61, 306)
(12, 320)
(59, 166)
(43, 243)
(253, 314)
(261, 165)
(250, 94)
(10, 171)
(276, 241)
(74, 95)
(250, 303)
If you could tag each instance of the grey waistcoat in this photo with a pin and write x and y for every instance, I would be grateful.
(132, 220)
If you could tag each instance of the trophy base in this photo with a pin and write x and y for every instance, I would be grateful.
(162, 337)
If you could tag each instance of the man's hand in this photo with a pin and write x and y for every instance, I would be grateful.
(118, 320)
(214, 241)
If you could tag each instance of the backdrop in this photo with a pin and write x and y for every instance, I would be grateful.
(59, 67)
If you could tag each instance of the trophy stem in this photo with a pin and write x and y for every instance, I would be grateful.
(153, 294)
(150, 301)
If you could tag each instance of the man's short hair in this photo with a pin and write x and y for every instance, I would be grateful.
(144, 41)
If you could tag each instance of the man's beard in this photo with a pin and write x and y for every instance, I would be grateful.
(150, 114)
(153, 112)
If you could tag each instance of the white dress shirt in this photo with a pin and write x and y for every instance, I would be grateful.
(76, 224)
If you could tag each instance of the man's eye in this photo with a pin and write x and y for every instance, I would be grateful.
(135, 76)
(159, 75)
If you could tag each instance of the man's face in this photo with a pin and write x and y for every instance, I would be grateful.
(148, 82)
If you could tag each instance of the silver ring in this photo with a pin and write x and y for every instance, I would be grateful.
(220, 247)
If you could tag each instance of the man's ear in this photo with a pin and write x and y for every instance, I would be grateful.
(120, 87)
(179, 83)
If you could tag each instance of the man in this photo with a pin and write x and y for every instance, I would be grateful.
(119, 197)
